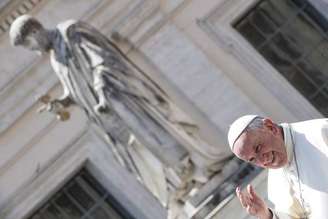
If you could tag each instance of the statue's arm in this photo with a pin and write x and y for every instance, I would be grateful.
(65, 100)
(98, 86)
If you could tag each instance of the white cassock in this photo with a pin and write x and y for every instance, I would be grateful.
(306, 175)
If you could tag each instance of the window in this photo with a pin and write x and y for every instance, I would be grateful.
(83, 197)
(292, 36)
(84, 182)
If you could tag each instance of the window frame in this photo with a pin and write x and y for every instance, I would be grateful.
(218, 24)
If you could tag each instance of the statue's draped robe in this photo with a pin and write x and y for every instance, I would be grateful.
(134, 99)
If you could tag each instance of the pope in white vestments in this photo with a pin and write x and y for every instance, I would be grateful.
(297, 157)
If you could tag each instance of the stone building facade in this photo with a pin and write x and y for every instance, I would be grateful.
(216, 60)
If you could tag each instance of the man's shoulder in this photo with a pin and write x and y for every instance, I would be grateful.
(314, 131)
(310, 127)
(313, 123)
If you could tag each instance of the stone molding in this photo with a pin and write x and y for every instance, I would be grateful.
(13, 9)
(134, 16)
(21, 94)
(90, 151)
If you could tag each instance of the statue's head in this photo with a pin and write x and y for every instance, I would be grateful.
(29, 33)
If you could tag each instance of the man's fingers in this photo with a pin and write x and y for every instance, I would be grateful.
(252, 193)
(252, 203)
(255, 198)
(241, 197)
(244, 198)
(251, 210)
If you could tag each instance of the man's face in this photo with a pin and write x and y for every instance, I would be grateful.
(263, 147)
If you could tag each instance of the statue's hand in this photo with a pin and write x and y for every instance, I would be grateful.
(53, 106)
(101, 108)
(47, 104)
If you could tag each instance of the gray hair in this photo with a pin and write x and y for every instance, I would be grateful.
(21, 27)
(257, 123)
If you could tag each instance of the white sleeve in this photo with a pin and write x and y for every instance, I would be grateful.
(275, 216)
(280, 215)
(280, 194)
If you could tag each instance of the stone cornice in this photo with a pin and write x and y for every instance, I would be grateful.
(10, 10)
(134, 16)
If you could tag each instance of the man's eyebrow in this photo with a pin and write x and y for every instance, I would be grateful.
(253, 150)
(251, 159)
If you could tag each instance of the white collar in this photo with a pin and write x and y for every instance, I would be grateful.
(288, 138)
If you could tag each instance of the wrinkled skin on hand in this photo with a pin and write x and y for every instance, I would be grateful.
(253, 204)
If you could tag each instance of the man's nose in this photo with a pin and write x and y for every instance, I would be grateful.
(263, 158)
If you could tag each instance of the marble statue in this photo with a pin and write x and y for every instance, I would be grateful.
(116, 95)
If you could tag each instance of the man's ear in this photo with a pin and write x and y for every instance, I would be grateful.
(269, 124)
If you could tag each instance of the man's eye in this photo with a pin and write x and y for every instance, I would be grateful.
(257, 149)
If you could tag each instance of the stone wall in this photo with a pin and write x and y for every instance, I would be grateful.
(187, 46)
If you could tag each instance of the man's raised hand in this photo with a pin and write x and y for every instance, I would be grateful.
(253, 204)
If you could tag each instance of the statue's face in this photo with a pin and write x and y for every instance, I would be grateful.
(37, 40)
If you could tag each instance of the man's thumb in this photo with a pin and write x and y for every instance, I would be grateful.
(251, 191)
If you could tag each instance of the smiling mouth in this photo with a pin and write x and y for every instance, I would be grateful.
(273, 158)
(271, 161)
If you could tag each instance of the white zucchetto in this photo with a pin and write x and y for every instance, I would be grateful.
(238, 127)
